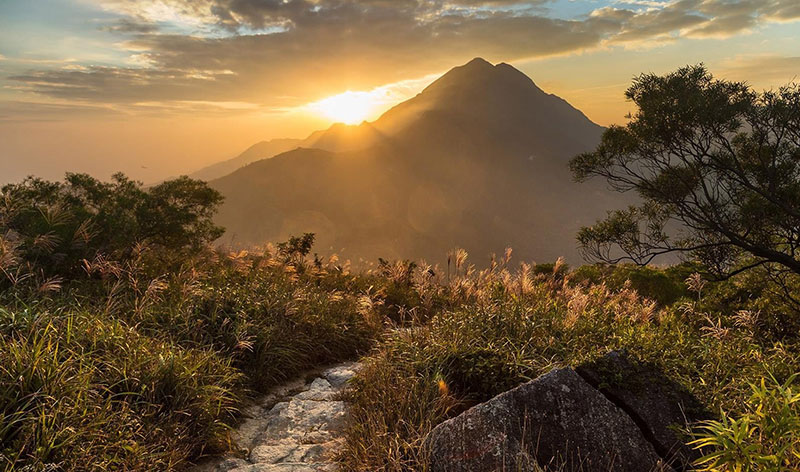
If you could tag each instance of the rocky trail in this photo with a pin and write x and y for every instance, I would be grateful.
(296, 427)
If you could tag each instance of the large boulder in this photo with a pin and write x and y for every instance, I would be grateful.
(662, 408)
(557, 421)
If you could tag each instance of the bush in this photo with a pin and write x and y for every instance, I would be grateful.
(48, 228)
(665, 286)
(763, 438)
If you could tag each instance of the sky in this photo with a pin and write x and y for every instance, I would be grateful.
(158, 88)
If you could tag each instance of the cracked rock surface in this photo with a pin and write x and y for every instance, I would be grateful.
(555, 422)
(295, 428)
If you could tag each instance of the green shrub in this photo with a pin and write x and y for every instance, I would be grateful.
(49, 228)
(765, 437)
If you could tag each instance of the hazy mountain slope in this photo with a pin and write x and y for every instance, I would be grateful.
(342, 137)
(477, 160)
(258, 151)
(339, 137)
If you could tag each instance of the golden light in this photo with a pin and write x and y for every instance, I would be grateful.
(348, 107)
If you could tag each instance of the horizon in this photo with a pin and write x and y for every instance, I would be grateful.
(159, 88)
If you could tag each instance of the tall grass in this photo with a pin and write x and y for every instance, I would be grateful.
(503, 326)
(83, 392)
(142, 362)
(134, 367)
(764, 437)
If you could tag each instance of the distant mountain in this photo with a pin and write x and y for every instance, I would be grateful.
(476, 160)
(339, 137)
(342, 137)
(258, 151)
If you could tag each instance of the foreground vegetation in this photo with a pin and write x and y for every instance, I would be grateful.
(120, 355)
(502, 326)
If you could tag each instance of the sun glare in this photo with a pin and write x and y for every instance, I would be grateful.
(348, 107)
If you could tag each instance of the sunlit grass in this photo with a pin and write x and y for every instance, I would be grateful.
(140, 370)
(502, 326)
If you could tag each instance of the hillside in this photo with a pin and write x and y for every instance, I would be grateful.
(477, 160)
(258, 151)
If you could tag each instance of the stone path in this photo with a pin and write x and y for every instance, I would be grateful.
(297, 427)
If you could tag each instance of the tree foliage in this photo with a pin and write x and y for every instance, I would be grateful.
(716, 166)
(53, 226)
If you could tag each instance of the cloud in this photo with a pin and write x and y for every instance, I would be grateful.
(695, 18)
(16, 111)
(650, 24)
(283, 53)
(786, 10)
(336, 53)
(128, 25)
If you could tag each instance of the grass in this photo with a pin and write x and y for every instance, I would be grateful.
(87, 393)
(143, 364)
(134, 369)
(765, 436)
(502, 327)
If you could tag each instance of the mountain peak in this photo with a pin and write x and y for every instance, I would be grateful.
(477, 62)
(478, 81)
(496, 95)
(478, 158)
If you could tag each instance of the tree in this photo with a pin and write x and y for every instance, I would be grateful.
(53, 226)
(716, 166)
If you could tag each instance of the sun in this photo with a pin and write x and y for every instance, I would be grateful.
(347, 107)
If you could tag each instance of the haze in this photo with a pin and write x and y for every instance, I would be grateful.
(158, 88)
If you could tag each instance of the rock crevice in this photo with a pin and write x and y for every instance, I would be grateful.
(662, 408)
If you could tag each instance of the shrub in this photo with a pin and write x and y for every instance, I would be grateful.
(665, 286)
(49, 228)
(763, 438)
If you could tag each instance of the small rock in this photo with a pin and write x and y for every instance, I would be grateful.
(231, 463)
(340, 375)
(283, 452)
(283, 468)
(319, 390)
(304, 421)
